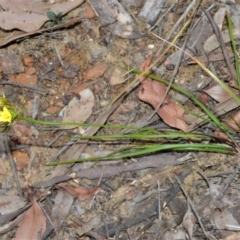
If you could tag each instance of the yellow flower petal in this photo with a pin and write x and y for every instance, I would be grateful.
(5, 115)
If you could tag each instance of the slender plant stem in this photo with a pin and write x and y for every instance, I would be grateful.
(75, 124)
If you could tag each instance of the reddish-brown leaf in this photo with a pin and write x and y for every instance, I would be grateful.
(233, 121)
(33, 223)
(82, 193)
(172, 114)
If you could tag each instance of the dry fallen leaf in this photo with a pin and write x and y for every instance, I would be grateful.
(62, 205)
(222, 219)
(189, 222)
(232, 121)
(33, 223)
(79, 110)
(82, 193)
(172, 114)
(212, 42)
(10, 204)
(29, 17)
(152, 93)
(218, 93)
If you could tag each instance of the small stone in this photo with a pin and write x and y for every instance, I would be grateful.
(79, 88)
(104, 103)
(56, 101)
(28, 61)
(53, 110)
(11, 63)
(30, 80)
(117, 76)
(30, 70)
(150, 46)
(21, 158)
(95, 72)
(70, 45)
(170, 67)
(65, 85)
(71, 71)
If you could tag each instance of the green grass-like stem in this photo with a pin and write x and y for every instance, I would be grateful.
(74, 124)
(153, 148)
(151, 135)
(230, 29)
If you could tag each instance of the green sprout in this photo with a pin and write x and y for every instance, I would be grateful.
(56, 19)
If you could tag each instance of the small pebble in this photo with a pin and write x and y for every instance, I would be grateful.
(170, 67)
(104, 103)
(150, 46)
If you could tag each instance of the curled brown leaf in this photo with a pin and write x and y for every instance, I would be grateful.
(171, 113)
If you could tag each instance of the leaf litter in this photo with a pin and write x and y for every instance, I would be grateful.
(30, 17)
(33, 223)
(127, 199)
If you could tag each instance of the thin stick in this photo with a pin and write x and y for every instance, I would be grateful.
(193, 209)
(159, 213)
(176, 25)
(49, 219)
(228, 184)
(222, 44)
(13, 168)
(40, 90)
(171, 79)
(160, 19)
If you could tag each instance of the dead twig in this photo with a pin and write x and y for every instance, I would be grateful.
(222, 44)
(208, 236)
(12, 164)
(49, 219)
(233, 175)
(159, 213)
(40, 90)
(176, 25)
(171, 80)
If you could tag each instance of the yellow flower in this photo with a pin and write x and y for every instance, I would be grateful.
(5, 115)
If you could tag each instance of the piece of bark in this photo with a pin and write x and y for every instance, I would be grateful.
(155, 161)
(151, 10)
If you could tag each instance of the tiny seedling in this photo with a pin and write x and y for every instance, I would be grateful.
(56, 19)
